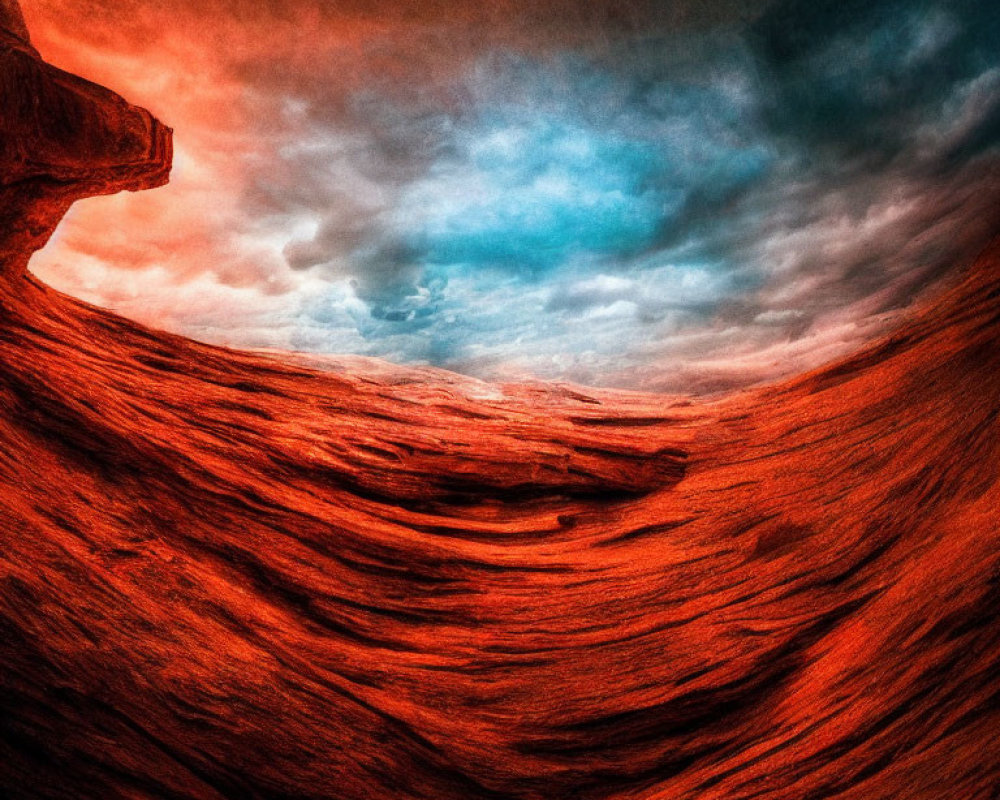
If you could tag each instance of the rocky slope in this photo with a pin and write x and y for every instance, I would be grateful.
(225, 575)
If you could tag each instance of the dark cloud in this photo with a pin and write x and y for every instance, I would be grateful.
(854, 79)
(641, 193)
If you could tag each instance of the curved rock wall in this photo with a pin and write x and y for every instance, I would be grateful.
(223, 575)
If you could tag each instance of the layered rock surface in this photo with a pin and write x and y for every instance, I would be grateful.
(224, 575)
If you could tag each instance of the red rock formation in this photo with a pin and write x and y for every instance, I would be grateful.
(61, 139)
(222, 575)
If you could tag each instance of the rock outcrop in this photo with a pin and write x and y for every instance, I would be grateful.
(61, 139)
(223, 575)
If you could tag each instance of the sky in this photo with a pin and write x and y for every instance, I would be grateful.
(679, 196)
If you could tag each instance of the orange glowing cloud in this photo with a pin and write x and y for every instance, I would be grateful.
(349, 176)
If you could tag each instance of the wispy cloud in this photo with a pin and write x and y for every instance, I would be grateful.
(683, 197)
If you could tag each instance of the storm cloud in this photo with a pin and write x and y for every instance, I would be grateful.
(673, 196)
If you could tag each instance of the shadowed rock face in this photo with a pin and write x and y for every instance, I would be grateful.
(224, 575)
(12, 22)
(62, 138)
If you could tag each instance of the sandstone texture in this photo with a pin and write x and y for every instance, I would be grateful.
(225, 575)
